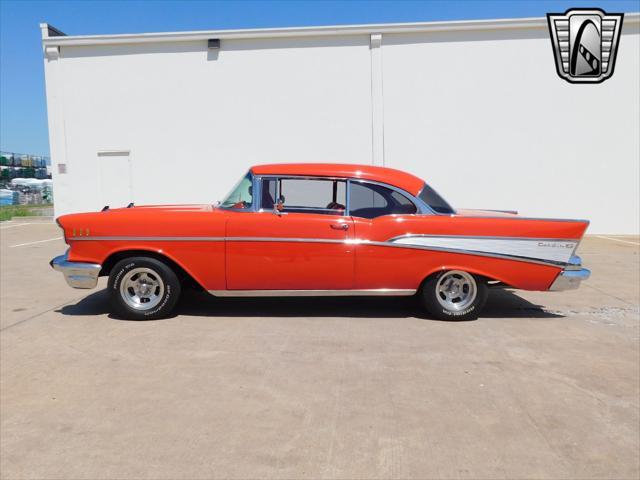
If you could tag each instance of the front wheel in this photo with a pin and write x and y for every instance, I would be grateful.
(143, 288)
(454, 295)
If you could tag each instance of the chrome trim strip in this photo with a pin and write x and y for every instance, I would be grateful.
(483, 237)
(288, 240)
(517, 217)
(149, 239)
(347, 241)
(513, 212)
(376, 292)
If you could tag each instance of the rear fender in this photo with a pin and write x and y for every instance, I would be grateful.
(520, 275)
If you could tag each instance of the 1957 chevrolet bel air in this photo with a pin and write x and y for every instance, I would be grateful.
(319, 229)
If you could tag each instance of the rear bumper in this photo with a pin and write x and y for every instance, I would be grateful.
(77, 274)
(571, 276)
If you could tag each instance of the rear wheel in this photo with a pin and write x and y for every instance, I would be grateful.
(454, 295)
(143, 288)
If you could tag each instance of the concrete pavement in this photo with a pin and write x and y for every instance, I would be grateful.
(544, 385)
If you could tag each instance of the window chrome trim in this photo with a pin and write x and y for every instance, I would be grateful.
(259, 178)
(421, 207)
(254, 206)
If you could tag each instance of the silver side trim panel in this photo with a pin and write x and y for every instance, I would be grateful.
(549, 250)
(470, 252)
(376, 292)
(77, 274)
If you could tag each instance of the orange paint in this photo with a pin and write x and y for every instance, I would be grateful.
(221, 249)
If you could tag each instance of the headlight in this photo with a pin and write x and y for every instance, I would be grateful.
(62, 228)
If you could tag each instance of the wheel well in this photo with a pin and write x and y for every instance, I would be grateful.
(484, 278)
(183, 275)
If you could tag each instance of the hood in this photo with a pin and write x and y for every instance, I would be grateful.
(145, 220)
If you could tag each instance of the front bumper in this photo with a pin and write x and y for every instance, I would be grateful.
(571, 276)
(77, 274)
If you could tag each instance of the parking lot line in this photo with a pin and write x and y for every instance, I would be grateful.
(15, 225)
(33, 243)
(618, 240)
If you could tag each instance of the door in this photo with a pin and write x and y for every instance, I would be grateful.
(303, 246)
(115, 178)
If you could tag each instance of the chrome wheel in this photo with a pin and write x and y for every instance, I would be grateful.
(142, 288)
(456, 290)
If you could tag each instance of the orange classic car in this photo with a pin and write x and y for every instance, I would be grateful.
(319, 229)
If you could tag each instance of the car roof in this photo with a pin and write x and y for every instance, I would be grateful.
(397, 178)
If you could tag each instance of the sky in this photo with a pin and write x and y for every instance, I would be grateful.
(23, 114)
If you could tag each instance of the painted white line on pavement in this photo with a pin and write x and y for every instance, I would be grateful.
(618, 240)
(33, 243)
(16, 225)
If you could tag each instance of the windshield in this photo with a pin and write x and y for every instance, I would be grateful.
(438, 204)
(241, 197)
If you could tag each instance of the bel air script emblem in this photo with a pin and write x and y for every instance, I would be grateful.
(585, 43)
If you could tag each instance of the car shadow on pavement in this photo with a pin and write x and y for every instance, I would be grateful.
(502, 303)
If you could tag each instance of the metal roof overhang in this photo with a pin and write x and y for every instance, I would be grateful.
(291, 32)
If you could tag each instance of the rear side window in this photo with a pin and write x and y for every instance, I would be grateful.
(438, 204)
(371, 201)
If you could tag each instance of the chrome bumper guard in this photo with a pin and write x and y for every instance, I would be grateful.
(571, 276)
(77, 274)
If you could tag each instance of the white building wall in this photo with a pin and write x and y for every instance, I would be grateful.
(480, 114)
(193, 122)
(485, 119)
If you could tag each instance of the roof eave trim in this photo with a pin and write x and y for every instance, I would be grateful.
(336, 30)
(466, 25)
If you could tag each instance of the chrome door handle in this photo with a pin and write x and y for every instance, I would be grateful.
(340, 226)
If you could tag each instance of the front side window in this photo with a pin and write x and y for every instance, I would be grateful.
(241, 197)
(438, 204)
(304, 195)
(369, 200)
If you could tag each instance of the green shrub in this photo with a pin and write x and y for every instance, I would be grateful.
(9, 211)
